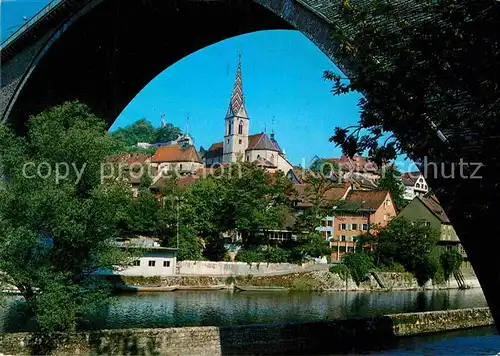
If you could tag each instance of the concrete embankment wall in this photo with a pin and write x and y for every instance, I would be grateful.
(270, 272)
(209, 268)
(322, 337)
(321, 280)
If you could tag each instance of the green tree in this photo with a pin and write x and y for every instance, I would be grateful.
(409, 244)
(359, 265)
(394, 50)
(143, 213)
(391, 181)
(324, 167)
(240, 197)
(312, 244)
(451, 261)
(140, 131)
(166, 133)
(316, 193)
(55, 228)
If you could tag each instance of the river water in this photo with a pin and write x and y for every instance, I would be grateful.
(481, 341)
(184, 308)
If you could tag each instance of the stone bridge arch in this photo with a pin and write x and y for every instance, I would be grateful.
(103, 52)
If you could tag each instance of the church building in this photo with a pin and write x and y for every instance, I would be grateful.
(238, 145)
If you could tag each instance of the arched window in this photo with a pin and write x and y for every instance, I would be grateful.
(229, 128)
(272, 158)
(258, 156)
(180, 166)
(418, 185)
(240, 128)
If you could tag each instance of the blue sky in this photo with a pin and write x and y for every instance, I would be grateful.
(282, 83)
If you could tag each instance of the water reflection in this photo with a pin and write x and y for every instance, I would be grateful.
(223, 308)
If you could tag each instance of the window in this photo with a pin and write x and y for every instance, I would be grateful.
(418, 185)
(166, 263)
(329, 223)
(229, 129)
(365, 227)
(151, 263)
(137, 263)
(180, 166)
(272, 158)
(425, 186)
(258, 156)
(354, 226)
(248, 158)
(228, 141)
(342, 238)
(343, 227)
(427, 224)
(240, 141)
(329, 234)
(240, 128)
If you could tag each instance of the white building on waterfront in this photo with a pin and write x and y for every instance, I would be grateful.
(153, 260)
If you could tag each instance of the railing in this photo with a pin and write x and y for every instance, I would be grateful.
(43, 12)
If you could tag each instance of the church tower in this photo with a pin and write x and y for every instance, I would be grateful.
(236, 123)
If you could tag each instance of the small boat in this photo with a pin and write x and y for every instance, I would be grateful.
(139, 289)
(201, 288)
(260, 289)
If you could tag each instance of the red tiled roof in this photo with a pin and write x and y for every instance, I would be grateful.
(356, 163)
(261, 142)
(336, 192)
(216, 146)
(410, 178)
(216, 150)
(432, 203)
(367, 199)
(176, 153)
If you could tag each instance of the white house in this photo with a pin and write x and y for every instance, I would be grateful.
(415, 185)
(153, 261)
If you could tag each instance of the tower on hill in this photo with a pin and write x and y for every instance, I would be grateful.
(236, 123)
(238, 144)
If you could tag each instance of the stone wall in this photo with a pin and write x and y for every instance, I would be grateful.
(319, 280)
(209, 268)
(321, 337)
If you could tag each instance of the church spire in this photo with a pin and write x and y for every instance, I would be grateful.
(237, 103)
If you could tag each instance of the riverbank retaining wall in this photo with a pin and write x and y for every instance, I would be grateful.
(321, 337)
(280, 274)
(321, 280)
(209, 268)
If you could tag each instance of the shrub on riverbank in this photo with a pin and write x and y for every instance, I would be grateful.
(359, 265)
(341, 270)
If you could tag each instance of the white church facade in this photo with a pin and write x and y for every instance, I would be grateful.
(260, 149)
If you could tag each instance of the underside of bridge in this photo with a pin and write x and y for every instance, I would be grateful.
(113, 51)
(108, 55)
